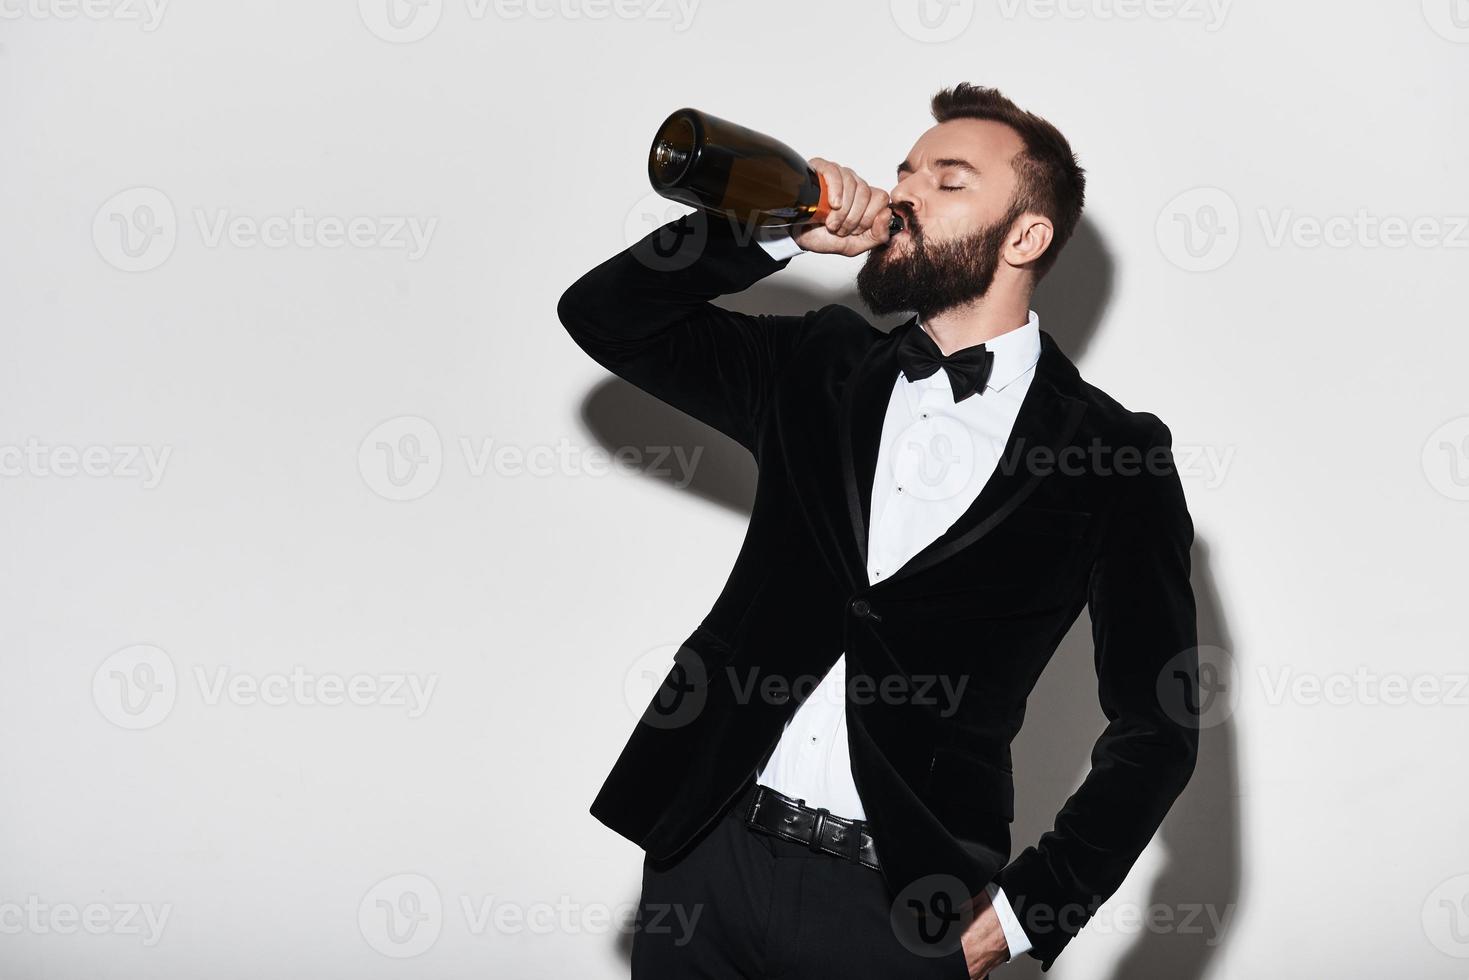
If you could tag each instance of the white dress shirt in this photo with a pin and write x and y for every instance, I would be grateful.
(925, 479)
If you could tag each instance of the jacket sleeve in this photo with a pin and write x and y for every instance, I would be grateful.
(1144, 634)
(645, 315)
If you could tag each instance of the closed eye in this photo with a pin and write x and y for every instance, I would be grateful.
(959, 188)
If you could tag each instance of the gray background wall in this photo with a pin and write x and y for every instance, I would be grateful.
(320, 602)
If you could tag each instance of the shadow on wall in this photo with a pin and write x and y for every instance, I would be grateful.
(1199, 882)
(1194, 891)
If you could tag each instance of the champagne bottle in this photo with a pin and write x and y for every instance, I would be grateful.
(723, 168)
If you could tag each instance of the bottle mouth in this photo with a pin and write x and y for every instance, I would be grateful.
(673, 151)
(668, 158)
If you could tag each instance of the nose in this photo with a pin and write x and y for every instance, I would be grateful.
(902, 201)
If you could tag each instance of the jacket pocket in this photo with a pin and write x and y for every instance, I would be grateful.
(963, 786)
(1049, 520)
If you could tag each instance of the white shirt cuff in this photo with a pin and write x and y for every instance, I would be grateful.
(1015, 936)
(781, 246)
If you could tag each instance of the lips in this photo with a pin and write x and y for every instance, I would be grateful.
(898, 224)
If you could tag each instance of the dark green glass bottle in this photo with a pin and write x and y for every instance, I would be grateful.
(723, 168)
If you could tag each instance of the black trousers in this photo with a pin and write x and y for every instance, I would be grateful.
(744, 904)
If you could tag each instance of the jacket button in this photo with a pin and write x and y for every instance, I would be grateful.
(861, 607)
(780, 697)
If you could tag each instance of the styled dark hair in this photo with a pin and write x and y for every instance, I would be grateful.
(1050, 181)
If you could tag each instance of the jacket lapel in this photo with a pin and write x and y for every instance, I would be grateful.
(1048, 418)
(863, 409)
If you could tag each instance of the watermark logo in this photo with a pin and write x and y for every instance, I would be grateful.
(401, 916)
(406, 21)
(135, 230)
(1446, 459)
(1446, 917)
(930, 916)
(136, 687)
(934, 457)
(932, 21)
(401, 21)
(1199, 230)
(1212, 700)
(677, 244)
(402, 458)
(1448, 18)
(667, 687)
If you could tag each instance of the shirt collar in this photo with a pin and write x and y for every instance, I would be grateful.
(1016, 351)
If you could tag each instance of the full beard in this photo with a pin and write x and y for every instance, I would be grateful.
(932, 276)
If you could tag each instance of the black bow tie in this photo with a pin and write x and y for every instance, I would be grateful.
(968, 369)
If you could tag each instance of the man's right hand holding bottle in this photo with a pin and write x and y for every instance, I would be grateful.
(859, 216)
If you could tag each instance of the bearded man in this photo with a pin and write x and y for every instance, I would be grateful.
(935, 506)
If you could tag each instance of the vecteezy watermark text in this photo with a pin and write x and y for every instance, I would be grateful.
(36, 917)
(137, 687)
(404, 457)
(407, 21)
(147, 14)
(124, 461)
(403, 915)
(136, 230)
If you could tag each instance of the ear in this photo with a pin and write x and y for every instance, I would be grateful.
(1029, 238)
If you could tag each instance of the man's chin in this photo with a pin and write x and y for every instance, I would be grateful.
(884, 303)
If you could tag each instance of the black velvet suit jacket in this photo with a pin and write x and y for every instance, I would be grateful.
(1084, 509)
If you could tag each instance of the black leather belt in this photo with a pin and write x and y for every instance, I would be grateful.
(772, 812)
